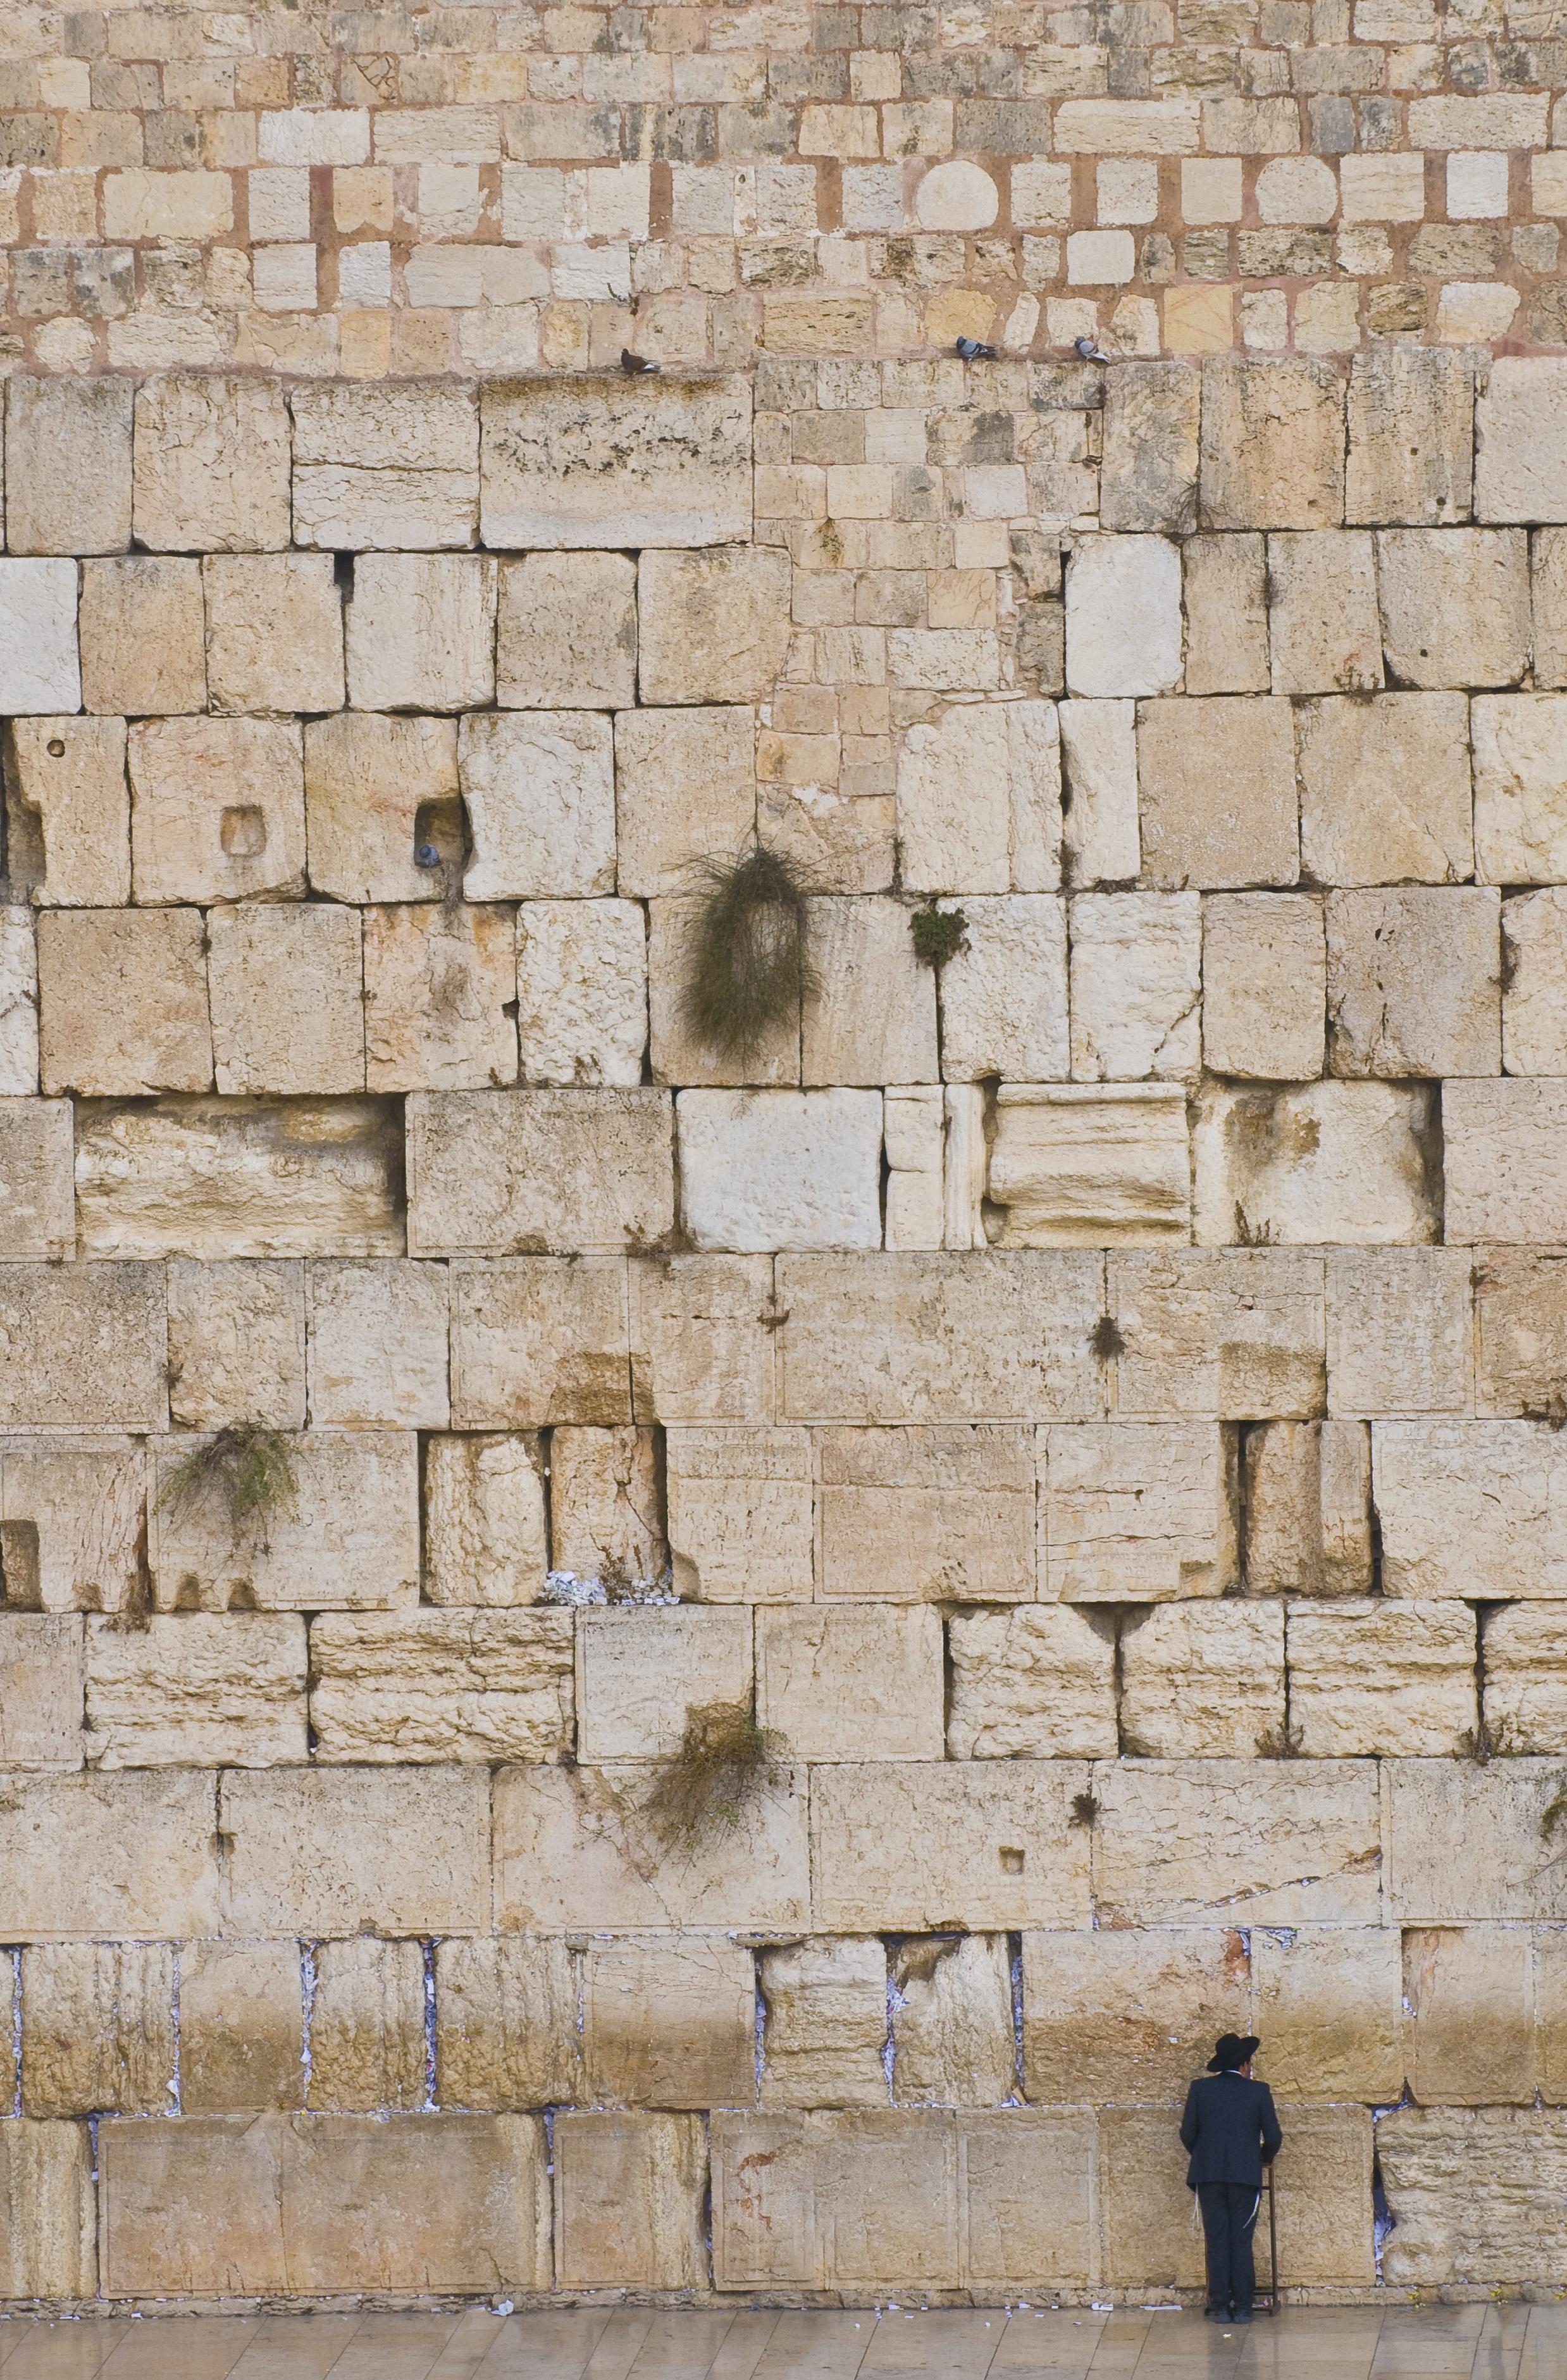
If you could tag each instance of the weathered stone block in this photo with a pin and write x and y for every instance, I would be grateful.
(1217, 792)
(228, 1178)
(1226, 615)
(640, 1673)
(1525, 1678)
(67, 465)
(605, 1507)
(1394, 1678)
(582, 991)
(48, 2245)
(1548, 572)
(1520, 454)
(1329, 2002)
(367, 2027)
(1133, 1511)
(1350, 1164)
(1136, 984)
(702, 1331)
(740, 1514)
(1308, 1503)
(781, 1169)
(1473, 2193)
(714, 624)
(1264, 986)
(1146, 2228)
(1003, 998)
(86, 1347)
(1411, 435)
(1469, 1507)
(40, 667)
(266, 969)
(1471, 1843)
(123, 1001)
(1551, 2009)
(211, 466)
(1148, 479)
(1503, 1143)
(952, 2034)
(629, 2193)
(914, 1142)
(378, 1346)
(274, 632)
(486, 1539)
(1384, 789)
(195, 1691)
(826, 2023)
(69, 812)
(1414, 981)
(1470, 2032)
(37, 1209)
(41, 1690)
(92, 1858)
(620, 462)
(1098, 832)
(507, 2028)
(872, 1017)
(539, 792)
(236, 1344)
(19, 1002)
(1534, 1021)
(369, 782)
(917, 1845)
(537, 1340)
(1324, 632)
(442, 1686)
(1203, 1681)
(572, 1170)
(979, 800)
(1201, 1842)
(385, 464)
(685, 792)
(671, 2023)
(421, 632)
(957, 1502)
(1454, 605)
(341, 1852)
(441, 988)
(348, 1539)
(1123, 616)
(241, 2026)
(566, 633)
(1520, 788)
(1037, 1683)
(1326, 2216)
(1273, 445)
(1116, 2013)
(143, 635)
(71, 1513)
(1398, 1330)
(860, 1682)
(217, 809)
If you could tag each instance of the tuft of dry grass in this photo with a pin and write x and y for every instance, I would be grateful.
(747, 966)
(724, 1762)
(250, 1469)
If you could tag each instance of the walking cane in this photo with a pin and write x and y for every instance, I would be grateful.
(1272, 2248)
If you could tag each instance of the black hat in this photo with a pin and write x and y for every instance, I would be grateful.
(1233, 2049)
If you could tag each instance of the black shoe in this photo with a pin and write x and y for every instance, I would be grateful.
(1215, 2314)
(1240, 2315)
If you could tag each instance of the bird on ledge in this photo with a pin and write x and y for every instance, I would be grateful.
(631, 365)
(1091, 351)
(973, 350)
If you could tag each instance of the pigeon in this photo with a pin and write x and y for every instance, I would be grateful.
(427, 855)
(973, 350)
(631, 365)
(1091, 351)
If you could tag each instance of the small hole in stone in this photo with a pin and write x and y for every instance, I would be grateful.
(244, 831)
(441, 835)
(56, 748)
(1011, 1861)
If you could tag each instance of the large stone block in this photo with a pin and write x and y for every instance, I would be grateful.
(1038, 1683)
(685, 793)
(1100, 841)
(41, 1690)
(702, 1331)
(69, 812)
(217, 809)
(1136, 984)
(37, 1209)
(1526, 1677)
(227, 1178)
(574, 1170)
(266, 969)
(143, 628)
(71, 1516)
(582, 991)
(641, 1673)
(1217, 792)
(872, 1014)
(1520, 787)
(1273, 445)
(1325, 2208)
(486, 1536)
(123, 1001)
(629, 2197)
(1411, 419)
(87, 1347)
(1226, 614)
(927, 1845)
(1306, 1488)
(48, 2243)
(1132, 1511)
(1454, 605)
(1264, 986)
(857, 1682)
(1384, 789)
(606, 1501)
(441, 992)
(566, 633)
(670, 2021)
(195, 1691)
(1414, 981)
(781, 1169)
(421, 632)
(346, 1538)
(952, 2035)
(602, 461)
(1147, 480)
(956, 1501)
(678, 1050)
(236, 1344)
(1471, 1844)
(979, 800)
(378, 1346)
(385, 464)
(1071, 1166)
(1468, 1996)
(67, 465)
(1520, 446)
(1149, 2237)
(1329, 2001)
(105, 1858)
(40, 664)
(740, 1514)
(371, 783)
(1123, 616)
(1349, 1163)
(1231, 1334)
(241, 2026)
(324, 2206)
(1004, 998)
(99, 2036)
(1399, 1331)
(339, 1852)
(1470, 1507)
(1323, 629)
(211, 466)
(441, 1687)
(714, 624)
(367, 2027)
(19, 1001)
(1475, 2194)
(1394, 1678)
(1203, 1681)
(1502, 1159)
(539, 792)
(1122, 2014)
(538, 1339)
(274, 632)
(1199, 1842)
(1534, 1012)
(508, 2032)
(939, 1338)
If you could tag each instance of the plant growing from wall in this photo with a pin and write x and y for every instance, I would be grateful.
(250, 1469)
(747, 966)
(723, 1766)
(939, 934)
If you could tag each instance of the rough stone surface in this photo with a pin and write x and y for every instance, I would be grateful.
(493, 1171)
(101, 2035)
(1308, 1491)
(713, 626)
(421, 632)
(1384, 789)
(566, 633)
(485, 1538)
(1124, 616)
(143, 629)
(73, 806)
(670, 2023)
(1472, 2193)
(740, 1514)
(628, 2196)
(1501, 1163)
(1003, 998)
(952, 2021)
(442, 1686)
(1210, 1841)
(1344, 1162)
(441, 988)
(385, 466)
(195, 1691)
(824, 2022)
(368, 2027)
(1263, 985)
(1136, 984)
(927, 1845)
(265, 966)
(1217, 792)
(1414, 982)
(979, 800)
(781, 1169)
(210, 466)
(1136, 1511)
(217, 809)
(507, 2031)
(1411, 436)
(582, 991)
(367, 778)
(274, 632)
(1323, 629)
(122, 1002)
(960, 1501)
(1456, 605)
(856, 1683)
(1203, 1681)
(680, 449)
(1525, 1690)
(1331, 2000)
(241, 2026)
(347, 1538)
(540, 797)
(1033, 1683)
(1469, 1508)
(1124, 2014)
(639, 1674)
(1395, 1678)
(1273, 445)
(1520, 788)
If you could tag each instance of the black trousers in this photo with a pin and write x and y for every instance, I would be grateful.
(1229, 2214)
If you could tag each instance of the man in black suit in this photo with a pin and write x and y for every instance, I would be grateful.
(1231, 2130)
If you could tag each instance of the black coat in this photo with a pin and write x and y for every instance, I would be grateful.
(1231, 2130)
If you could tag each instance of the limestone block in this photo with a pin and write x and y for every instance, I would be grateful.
(1003, 998)
(825, 2023)
(1454, 605)
(629, 2193)
(765, 1170)
(69, 812)
(506, 2028)
(1414, 981)
(385, 464)
(378, 1346)
(576, 1170)
(86, 1348)
(616, 462)
(86, 1858)
(1469, 1507)
(714, 624)
(241, 2027)
(37, 1211)
(1199, 1842)
(582, 991)
(1394, 1678)
(1329, 2001)
(1350, 1164)
(211, 466)
(934, 1339)
(367, 2027)
(67, 465)
(41, 1690)
(671, 2023)
(1136, 1511)
(1547, 557)
(1226, 615)
(1119, 2013)
(1146, 2227)
(485, 1529)
(910, 1847)
(1326, 2216)
(605, 1507)
(641, 1673)
(685, 792)
(952, 2037)
(1525, 1678)
(956, 1500)
(1323, 629)
(320, 2204)
(195, 1691)
(1273, 445)
(871, 1018)
(1470, 2034)
(349, 1541)
(677, 1053)
(48, 2247)
(1470, 1844)
(979, 800)
(1203, 1681)
(1520, 788)
(702, 1330)
(236, 1344)
(1411, 436)
(1384, 789)
(421, 632)
(1503, 1145)
(19, 1002)
(857, 1682)
(566, 633)
(217, 809)
(1037, 1683)
(270, 968)
(740, 1514)
(442, 1686)
(439, 992)
(914, 1141)
(539, 1340)
(239, 1178)
(1308, 1503)
(39, 666)
(1099, 830)
(1398, 1331)
(143, 630)
(1533, 1028)
(1474, 2194)
(576, 1848)
(1147, 480)
(1136, 984)
(123, 1001)
(1123, 616)
(1520, 458)
(71, 1523)
(1217, 794)
(99, 2030)
(1263, 985)
(372, 784)
(274, 632)
(345, 1851)
(539, 791)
